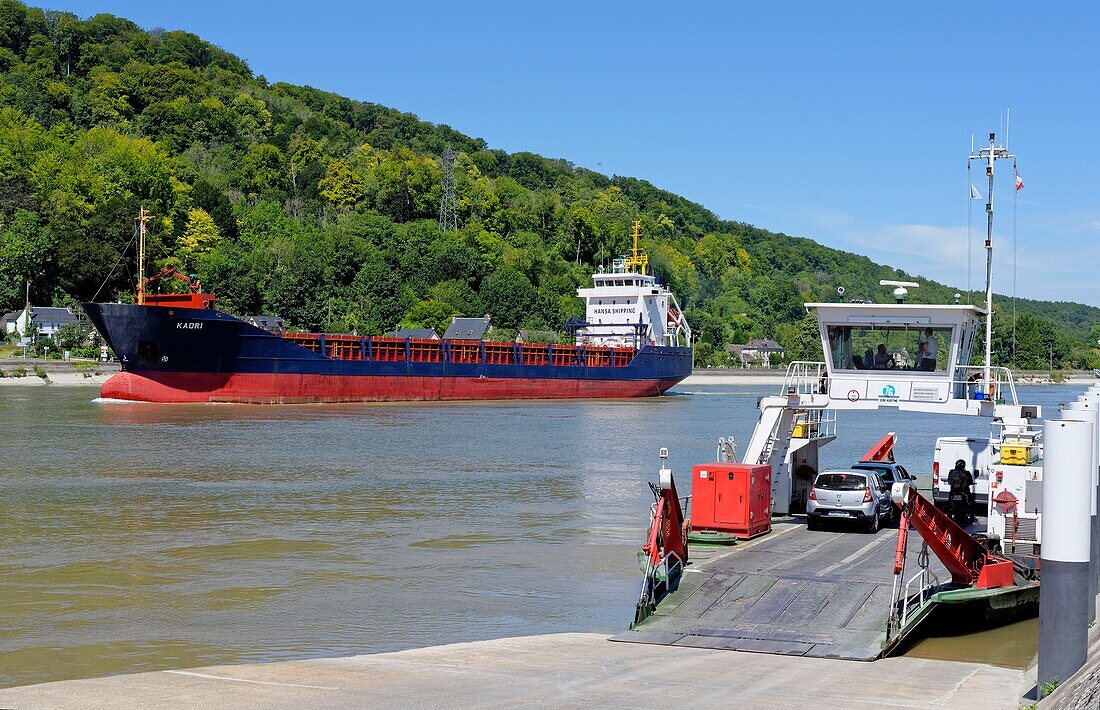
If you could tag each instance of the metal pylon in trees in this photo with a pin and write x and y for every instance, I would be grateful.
(448, 212)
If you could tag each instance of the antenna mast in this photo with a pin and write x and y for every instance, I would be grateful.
(637, 259)
(989, 155)
(448, 212)
(143, 217)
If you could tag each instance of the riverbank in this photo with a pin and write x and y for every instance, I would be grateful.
(550, 669)
(734, 377)
(66, 373)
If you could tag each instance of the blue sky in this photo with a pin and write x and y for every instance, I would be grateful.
(845, 122)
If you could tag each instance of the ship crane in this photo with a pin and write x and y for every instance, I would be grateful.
(170, 272)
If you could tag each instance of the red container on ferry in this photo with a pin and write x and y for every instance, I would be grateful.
(732, 498)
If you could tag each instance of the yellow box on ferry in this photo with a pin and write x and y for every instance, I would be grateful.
(1015, 453)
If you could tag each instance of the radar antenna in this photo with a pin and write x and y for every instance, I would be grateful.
(901, 290)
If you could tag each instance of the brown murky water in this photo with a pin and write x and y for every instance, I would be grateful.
(137, 536)
(1012, 646)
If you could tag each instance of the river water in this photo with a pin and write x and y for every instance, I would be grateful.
(140, 536)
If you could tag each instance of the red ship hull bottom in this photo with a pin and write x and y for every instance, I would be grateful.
(303, 389)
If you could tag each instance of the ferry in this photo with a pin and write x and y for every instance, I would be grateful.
(800, 591)
(178, 347)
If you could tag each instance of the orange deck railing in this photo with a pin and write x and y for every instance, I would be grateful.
(354, 347)
(466, 351)
(425, 350)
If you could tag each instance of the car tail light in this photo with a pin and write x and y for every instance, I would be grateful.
(813, 493)
(935, 473)
(867, 494)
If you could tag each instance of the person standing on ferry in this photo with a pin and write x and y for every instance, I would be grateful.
(928, 352)
(883, 359)
(918, 359)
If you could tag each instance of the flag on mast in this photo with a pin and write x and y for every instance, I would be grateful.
(974, 194)
(1019, 182)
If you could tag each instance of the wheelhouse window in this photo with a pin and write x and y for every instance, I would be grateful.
(918, 348)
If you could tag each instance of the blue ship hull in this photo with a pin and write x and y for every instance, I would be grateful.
(172, 354)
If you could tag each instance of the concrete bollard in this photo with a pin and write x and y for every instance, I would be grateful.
(1085, 410)
(1092, 395)
(1063, 601)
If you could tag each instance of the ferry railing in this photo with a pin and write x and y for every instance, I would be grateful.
(659, 573)
(806, 377)
(970, 383)
(814, 424)
(912, 601)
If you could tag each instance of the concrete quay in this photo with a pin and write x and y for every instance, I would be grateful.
(555, 670)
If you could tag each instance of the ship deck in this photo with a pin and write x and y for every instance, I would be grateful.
(823, 594)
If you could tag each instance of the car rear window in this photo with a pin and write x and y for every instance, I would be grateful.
(841, 481)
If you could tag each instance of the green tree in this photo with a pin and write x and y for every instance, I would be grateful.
(199, 238)
(303, 153)
(429, 314)
(509, 297)
(253, 118)
(341, 186)
(263, 168)
(72, 336)
(26, 256)
(214, 202)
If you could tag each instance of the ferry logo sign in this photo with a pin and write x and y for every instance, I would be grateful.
(889, 392)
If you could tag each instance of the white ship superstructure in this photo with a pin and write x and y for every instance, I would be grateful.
(628, 307)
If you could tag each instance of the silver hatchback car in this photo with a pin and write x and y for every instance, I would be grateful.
(849, 495)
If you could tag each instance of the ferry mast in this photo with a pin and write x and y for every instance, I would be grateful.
(989, 155)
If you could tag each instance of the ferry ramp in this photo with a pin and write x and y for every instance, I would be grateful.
(823, 594)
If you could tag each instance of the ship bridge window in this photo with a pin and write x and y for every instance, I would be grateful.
(918, 348)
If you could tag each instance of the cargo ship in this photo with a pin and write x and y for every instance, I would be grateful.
(178, 347)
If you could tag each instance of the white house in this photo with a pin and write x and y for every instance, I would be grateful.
(757, 351)
(46, 321)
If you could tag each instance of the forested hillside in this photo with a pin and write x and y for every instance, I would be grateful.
(292, 201)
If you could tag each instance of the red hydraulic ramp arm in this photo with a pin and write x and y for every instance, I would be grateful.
(882, 451)
(968, 561)
(665, 551)
(666, 530)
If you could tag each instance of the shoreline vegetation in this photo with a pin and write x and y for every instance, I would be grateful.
(290, 201)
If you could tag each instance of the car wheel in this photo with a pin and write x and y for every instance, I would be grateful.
(812, 523)
(872, 526)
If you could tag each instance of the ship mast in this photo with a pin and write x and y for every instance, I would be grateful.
(637, 259)
(989, 155)
(141, 220)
